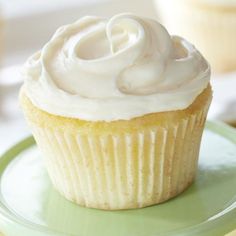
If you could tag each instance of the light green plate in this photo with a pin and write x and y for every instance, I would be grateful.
(29, 206)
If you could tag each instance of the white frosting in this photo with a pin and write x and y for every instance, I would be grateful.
(110, 69)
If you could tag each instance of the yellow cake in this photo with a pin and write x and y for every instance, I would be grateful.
(130, 146)
(209, 24)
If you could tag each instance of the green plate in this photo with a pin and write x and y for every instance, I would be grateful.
(29, 206)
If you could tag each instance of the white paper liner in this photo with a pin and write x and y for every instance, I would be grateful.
(123, 171)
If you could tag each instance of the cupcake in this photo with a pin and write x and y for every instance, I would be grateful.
(209, 24)
(117, 107)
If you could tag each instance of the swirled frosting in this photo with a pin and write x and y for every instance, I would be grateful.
(110, 69)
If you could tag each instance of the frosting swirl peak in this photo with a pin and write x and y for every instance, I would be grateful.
(99, 69)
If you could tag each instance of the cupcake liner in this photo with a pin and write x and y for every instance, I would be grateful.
(210, 28)
(127, 170)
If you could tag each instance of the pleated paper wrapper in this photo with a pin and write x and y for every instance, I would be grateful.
(122, 171)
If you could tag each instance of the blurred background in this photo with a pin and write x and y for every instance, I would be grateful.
(25, 26)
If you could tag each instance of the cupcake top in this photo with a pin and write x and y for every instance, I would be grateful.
(102, 69)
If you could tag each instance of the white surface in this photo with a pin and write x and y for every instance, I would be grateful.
(224, 98)
(26, 31)
(21, 8)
